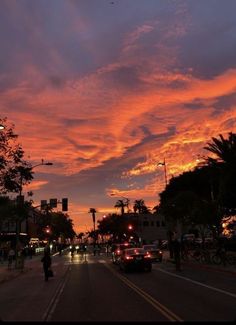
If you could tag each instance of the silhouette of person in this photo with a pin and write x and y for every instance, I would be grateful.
(47, 261)
(176, 245)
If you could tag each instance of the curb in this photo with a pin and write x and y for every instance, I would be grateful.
(208, 267)
(203, 266)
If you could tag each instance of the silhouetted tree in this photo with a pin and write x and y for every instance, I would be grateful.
(14, 170)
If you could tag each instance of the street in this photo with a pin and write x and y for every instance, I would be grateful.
(96, 290)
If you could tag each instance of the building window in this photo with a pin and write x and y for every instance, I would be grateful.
(158, 223)
(145, 223)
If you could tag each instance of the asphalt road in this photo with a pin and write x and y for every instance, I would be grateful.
(96, 290)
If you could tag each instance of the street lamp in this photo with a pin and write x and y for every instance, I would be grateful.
(163, 164)
(42, 163)
(20, 203)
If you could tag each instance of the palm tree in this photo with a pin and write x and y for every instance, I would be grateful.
(121, 204)
(224, 149)
(93, 212)
(140, 206)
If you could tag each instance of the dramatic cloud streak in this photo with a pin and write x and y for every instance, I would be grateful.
(106, 91)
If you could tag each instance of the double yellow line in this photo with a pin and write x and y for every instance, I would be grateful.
(157, 305)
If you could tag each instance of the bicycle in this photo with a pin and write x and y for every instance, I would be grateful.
(221, 257)
(187, 254)
(199, 255)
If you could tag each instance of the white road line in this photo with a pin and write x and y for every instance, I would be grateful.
(79, 262)
(54, 301)
(198, 283)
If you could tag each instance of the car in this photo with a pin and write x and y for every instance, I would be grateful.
(117, 249)
(155, 253)
(135, 258)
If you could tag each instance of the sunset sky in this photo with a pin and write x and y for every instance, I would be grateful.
(107, 89)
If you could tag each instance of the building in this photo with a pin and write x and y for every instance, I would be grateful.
(150, 227)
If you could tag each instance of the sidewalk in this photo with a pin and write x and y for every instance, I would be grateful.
(228, 269)
(7, 274)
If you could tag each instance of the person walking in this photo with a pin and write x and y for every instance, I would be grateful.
(47, 261)
(11, 257)
(176, 252)
(1, 255)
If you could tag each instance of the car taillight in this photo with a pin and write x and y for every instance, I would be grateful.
(147, 256)
(118, 251)
(129, 258)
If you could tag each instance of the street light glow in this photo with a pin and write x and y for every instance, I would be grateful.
(2, 127)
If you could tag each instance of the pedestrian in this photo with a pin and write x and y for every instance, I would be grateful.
(98, 249)
(107, 249)
(84, 251)
(1, 255)
(170, 236)
(11, 256)
(94, 249)
(176, 245)
(47, 261)
(60, 249)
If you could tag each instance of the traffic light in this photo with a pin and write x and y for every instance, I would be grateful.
(53, 203)
(64, 204)
(44, 204)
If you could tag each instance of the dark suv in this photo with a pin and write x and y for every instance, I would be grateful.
(116, 250)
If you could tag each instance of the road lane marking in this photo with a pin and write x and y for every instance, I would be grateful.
(54, 301)
(156, 304)
(198, 283)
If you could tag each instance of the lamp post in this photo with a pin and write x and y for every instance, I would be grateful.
(20, 203)
(163, 164)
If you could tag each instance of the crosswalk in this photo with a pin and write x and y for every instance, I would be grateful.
(84, 261)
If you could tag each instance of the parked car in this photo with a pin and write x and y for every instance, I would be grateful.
(155, 253)
(136, 258)
(116, 250)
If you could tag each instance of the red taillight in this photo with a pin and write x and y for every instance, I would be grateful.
(118, 251)
(147, 256)
(129, 257)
